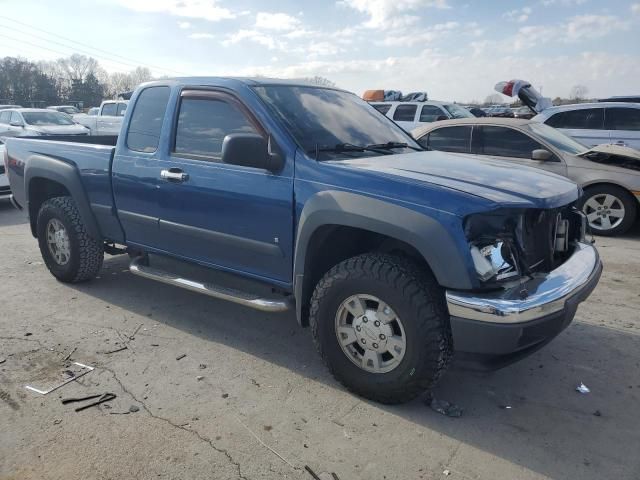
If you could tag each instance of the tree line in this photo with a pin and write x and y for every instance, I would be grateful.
(78, 80)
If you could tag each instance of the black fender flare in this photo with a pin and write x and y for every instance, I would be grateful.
(424, 233)
(67, 175)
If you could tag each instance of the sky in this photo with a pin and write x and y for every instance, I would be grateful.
(452, 49)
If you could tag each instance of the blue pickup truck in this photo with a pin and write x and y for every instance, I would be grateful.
(396, 257)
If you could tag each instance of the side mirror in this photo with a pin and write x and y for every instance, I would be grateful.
(250, 150)
(541, 155)
(16, 124)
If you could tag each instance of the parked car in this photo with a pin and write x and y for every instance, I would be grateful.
(499, 111)
(596, 123)
(524, 113)
(68, 109)
(93, 111)
(477, 112)
(5, 189)
(410, 115)
(4, 107)
(393, 255)
(107, 121)
(609, 175)
(24, 122)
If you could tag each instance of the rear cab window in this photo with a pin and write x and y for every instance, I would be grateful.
(583, 119)
(405, 113)
(122, 108)
(431, 113)
(448, 139)
(4, 117)
(145, 123)
(109, 109)
(620, 118)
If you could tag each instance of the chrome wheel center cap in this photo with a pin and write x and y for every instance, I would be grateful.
(371, 333)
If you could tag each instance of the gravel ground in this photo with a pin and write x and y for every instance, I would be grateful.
(252, 400)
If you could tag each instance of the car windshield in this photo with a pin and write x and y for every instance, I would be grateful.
(558, 139)
(47, 118)
(322, 118)
(457, 111)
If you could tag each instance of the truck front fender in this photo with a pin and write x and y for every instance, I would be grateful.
(64, 174)
(422, 232)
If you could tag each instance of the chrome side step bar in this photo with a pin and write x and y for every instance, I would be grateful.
(137, 267)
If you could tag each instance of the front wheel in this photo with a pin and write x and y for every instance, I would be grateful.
(380, 325)
(70, 253)
(610, 210)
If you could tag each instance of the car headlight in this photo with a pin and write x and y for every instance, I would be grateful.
(495, 262)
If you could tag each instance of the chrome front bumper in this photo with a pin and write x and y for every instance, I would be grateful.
(545, 295)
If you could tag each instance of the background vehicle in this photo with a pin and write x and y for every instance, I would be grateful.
(477, 112)
(25, 122)
(4, 107)
(610, 175)
(524, 113)
(107, 121)
(499, 111)
(5, 189)
(68, 109)
(93, 111)
(410, 115)
(392, 255)
(596, 123)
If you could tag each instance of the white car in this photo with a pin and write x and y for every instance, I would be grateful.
(26, 122)
(596, 123)
(5, 189)
(410, 115)
(107, 121)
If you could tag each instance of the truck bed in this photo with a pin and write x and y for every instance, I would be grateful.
(91, 157)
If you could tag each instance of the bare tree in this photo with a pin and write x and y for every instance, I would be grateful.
(494, 98)
(579, 92)
(78, 67)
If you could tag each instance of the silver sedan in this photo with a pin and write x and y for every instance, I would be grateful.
(609, 174)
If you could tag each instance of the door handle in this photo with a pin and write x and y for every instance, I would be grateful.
(174, 174)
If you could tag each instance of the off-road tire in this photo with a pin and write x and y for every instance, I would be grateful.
(86, 253)
(417, 299)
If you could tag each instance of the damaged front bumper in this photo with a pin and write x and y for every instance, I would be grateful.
(499, 327)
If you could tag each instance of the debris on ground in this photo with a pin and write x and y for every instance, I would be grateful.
(155, 344)
(255, 383)
(505, 407)
(69, 376)
(134, 408)
(102, 398)
(445, 408)
(180, 357)
(446, 473)
(28, 334)
(202, 366)
(311, 472)
(225, 395)
(70, 353)
(199, 377)
(597, 413)
(57, 421)
(116, 350)
(2, 360)
(582, 388)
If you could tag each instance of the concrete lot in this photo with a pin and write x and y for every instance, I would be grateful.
(263, 376)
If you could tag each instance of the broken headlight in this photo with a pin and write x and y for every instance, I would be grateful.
(495, 262)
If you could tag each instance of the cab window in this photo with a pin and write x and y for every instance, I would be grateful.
(431, 113)
(584, 119)
(448, 139)
(623, 119)
(405, 113)
(504, 142)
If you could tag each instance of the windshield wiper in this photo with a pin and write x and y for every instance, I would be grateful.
(349, 147)
(390, 145)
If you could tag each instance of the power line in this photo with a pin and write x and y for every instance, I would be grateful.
(136, 63)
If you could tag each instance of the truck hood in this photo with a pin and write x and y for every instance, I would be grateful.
(489, 179)
(59, 129)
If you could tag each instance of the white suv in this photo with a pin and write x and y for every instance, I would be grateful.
(410, 115)
(596, 123)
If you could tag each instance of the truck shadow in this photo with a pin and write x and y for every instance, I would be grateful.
(548, 428)
(10, 216)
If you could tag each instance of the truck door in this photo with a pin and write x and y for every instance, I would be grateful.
(234, 217)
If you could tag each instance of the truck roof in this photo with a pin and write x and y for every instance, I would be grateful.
(251, 81)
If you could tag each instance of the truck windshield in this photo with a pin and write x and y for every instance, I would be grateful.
(47, 118)
(457, 111)
(328, 120)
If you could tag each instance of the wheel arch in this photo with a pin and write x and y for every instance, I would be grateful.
(336, 225)
(46, 178)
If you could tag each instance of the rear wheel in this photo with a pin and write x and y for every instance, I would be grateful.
(70, 253)
(380, 325)
(610, 210)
